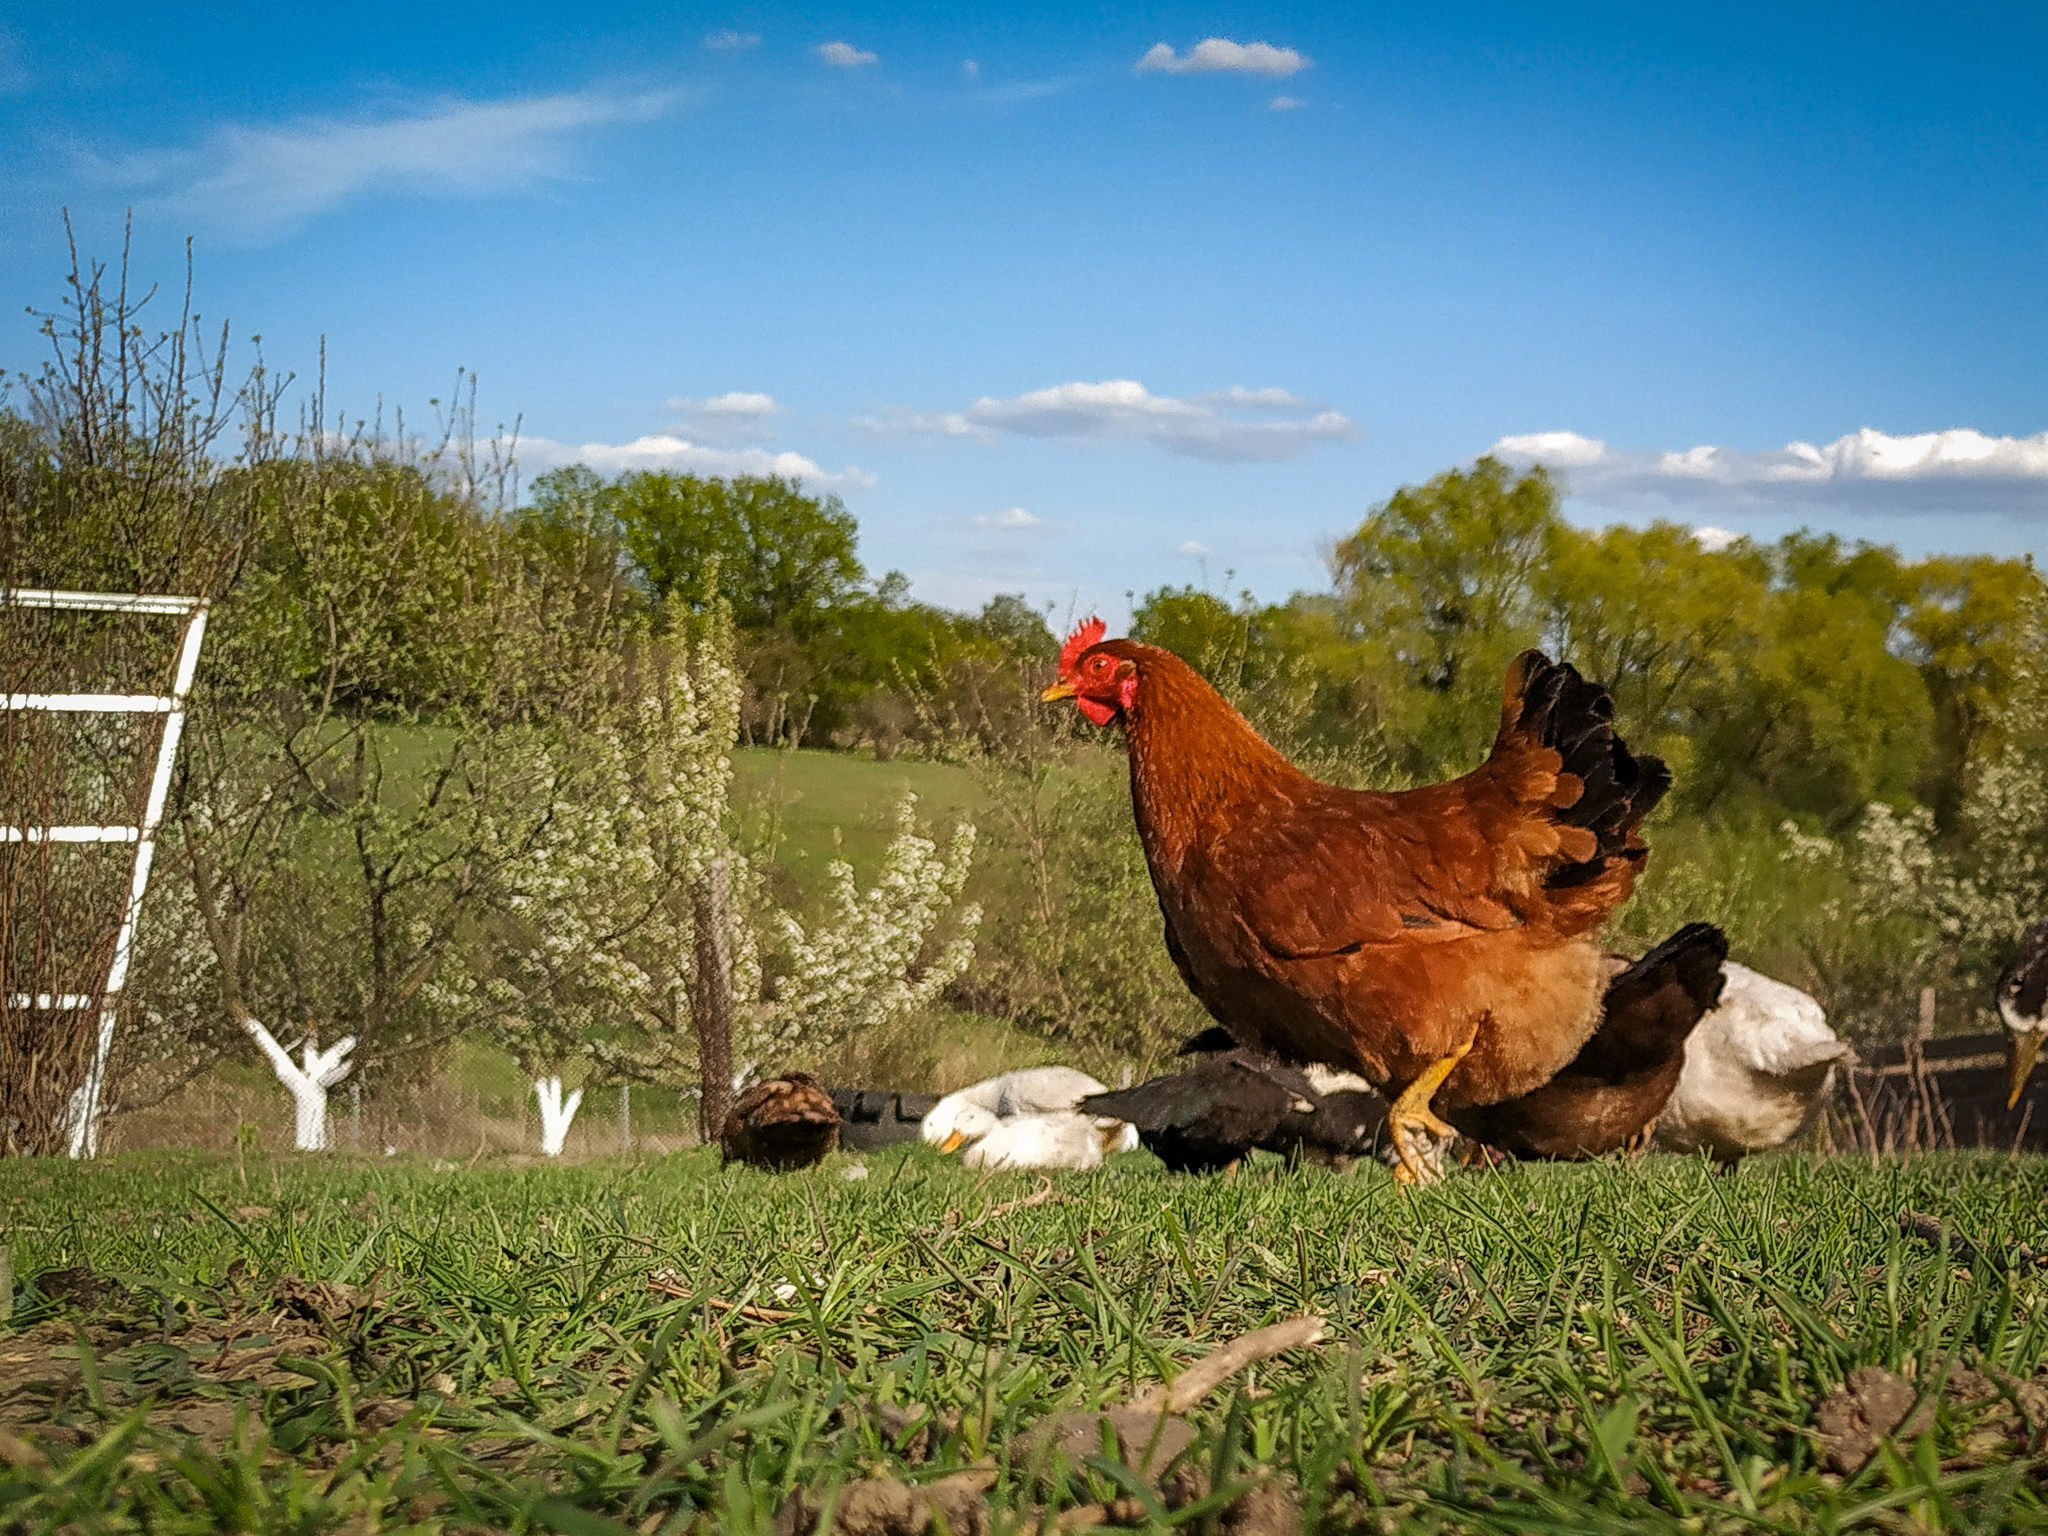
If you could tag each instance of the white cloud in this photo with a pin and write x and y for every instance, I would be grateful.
(1866, 470)
(736, 404)
(248, 182)
(1192, 548)
(1219, 54)
(1560, 450)
(730, 41)
(1233, 425)
(662, 450)
(846, 56)
(738, 416)
(1285, 103)
(1713, 540)
(970, 69)
(1009, 517)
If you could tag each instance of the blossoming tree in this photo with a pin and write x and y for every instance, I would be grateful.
(634, 945)
(1966, 898)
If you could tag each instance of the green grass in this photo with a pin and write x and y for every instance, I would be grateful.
(814, 807)
(1595, 1348)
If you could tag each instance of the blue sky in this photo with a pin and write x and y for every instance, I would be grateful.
(1081, 301)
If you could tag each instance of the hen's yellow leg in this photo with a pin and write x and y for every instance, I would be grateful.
(1411, 1114)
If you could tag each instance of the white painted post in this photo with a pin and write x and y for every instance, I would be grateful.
(555, 1114)
(82, 1114)
(308, 1082)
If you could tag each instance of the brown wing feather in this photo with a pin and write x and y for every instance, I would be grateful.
(1543, 833)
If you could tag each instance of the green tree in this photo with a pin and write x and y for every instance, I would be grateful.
(785, 559)
(1656, 618)
(1966, 623)
(1015, 628)
(1440, 580)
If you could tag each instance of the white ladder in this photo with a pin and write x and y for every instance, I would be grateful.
(82, 1119)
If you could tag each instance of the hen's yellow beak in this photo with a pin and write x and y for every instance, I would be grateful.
(1059, 690)
(952, 1142)
(2025, 1048)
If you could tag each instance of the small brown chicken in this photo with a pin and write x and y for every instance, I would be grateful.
(1438, 941)
(783, 1124)
(1611, 1093)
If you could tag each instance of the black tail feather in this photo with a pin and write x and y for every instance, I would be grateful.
(1575, 718)
(1692, 958)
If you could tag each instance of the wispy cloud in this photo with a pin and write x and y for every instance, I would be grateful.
(1285, 103)
(730, 41)
(1199, 551)
(846, 56)
(739, 404)
(1233, 425)
(249, 181)
(1219, 55)
(663, 450)
(737, 416)
(1012, 93)
(1867, 470)
(1010, 517)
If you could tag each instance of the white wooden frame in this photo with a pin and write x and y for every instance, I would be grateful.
(83, 1115)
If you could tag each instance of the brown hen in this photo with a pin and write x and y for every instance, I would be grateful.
(1438, 941)
(785, 1123)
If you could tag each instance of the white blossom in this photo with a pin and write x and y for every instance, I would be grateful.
(858, 967)
(600, 941)
(1981, 890)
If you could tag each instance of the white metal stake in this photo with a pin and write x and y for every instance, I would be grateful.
(307, 1081)
(82, 1115)
(555, 1114)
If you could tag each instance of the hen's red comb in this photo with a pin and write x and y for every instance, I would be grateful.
(1084, 635)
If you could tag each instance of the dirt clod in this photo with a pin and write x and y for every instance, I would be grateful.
(1146, 1442)
(907, 1430)
(211, 1422)
(78, 1287)
(1271, 1509)
(881, 1506)
(1868, 1408)
(320, 1301)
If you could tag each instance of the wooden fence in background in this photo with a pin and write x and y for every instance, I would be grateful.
(1935, 1094)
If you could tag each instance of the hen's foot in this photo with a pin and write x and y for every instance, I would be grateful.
(1410, 1116)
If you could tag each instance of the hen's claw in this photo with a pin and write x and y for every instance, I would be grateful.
(1411, 1115)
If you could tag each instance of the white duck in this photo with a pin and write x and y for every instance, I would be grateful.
(1757, 1069)
(1060, 1140)
(1025, 1120)
(974, 1111)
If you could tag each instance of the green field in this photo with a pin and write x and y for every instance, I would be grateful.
(809, 808)
(312, 1344)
